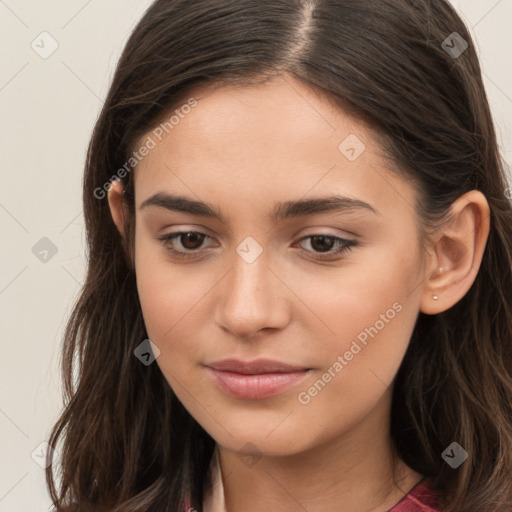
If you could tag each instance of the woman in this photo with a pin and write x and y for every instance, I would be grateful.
(299, 289)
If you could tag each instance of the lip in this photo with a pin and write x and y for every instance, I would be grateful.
(254, 380)
(254, 367)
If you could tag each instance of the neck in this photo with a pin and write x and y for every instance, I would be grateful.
(355, 468)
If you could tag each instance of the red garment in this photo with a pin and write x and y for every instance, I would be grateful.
(420, 499)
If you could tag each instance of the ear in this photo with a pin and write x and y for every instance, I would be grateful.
(115, 201)
(456, 253)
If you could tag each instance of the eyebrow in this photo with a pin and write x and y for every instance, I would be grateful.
(283, 210)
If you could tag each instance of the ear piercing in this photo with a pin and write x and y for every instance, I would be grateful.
(435, 297)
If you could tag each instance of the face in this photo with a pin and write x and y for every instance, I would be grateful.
(328, 288)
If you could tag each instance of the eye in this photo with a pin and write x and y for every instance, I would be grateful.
(325, 245)
(190, 242)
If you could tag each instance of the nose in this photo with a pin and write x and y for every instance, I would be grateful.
(251, 298)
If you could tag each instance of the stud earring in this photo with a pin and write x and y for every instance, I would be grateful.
(435, 297)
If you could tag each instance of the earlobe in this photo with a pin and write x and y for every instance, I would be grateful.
(456, 253)
(115, 201)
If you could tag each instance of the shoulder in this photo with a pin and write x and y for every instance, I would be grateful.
(420, 499)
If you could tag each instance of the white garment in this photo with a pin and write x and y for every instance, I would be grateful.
(213, 500)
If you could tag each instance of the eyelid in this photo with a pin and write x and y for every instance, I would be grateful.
(167, 238)
(316, 232)
(176, 234)
(346, 244)
(340, 233)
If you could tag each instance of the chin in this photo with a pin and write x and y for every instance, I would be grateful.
(254, 441)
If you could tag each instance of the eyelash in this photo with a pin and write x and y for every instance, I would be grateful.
(347, 245)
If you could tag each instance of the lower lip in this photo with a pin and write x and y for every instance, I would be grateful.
(254, 387)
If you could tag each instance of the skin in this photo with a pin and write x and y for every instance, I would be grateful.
(242, 150)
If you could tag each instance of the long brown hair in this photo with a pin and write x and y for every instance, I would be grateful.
(128, 444)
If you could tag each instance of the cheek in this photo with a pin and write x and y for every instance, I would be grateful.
(369, 315)
(367, 301)
(170, 296)
(168, 306)
(360, 363)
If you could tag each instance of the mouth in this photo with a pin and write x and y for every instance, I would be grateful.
(255, 380)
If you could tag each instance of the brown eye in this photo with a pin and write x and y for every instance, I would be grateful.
(327, 246)
(184, 244)
(322, 243)
(191, 240)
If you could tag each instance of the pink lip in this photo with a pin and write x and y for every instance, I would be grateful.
(255, 379)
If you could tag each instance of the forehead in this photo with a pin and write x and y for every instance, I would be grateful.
(283, 106)
(256, 141)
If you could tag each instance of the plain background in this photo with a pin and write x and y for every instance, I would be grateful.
(48, 108)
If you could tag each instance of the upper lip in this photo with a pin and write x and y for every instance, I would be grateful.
(254, 367)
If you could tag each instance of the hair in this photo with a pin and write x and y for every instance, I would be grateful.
(128, 444)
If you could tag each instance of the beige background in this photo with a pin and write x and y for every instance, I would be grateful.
(47, 111)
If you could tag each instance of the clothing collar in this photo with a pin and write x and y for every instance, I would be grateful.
(213, 500)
